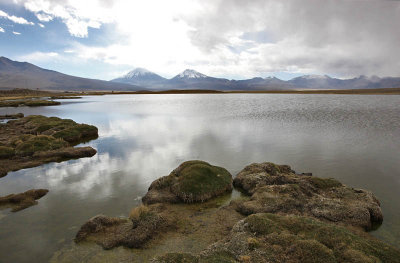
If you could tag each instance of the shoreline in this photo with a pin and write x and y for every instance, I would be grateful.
(26, 94)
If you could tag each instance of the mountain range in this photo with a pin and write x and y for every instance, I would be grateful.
(14, 74)
(191, 79)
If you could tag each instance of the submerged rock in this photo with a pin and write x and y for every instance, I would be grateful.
(277, 189)
(24, 200)
(192, 181)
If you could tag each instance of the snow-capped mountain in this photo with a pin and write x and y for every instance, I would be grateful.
(315, 77)
(192, 79)
(138, 72)
(190, 74)
(141, 77)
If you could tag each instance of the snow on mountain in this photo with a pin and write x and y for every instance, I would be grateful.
(137, 72)
(191, 74)
(315, 77)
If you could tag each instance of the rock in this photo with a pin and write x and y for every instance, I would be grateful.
(192, 181)
(277, 189)
(24, 200)
(276, 238)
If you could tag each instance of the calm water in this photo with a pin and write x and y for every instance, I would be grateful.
(355, 139)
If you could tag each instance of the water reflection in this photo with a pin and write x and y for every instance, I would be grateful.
(142, 137)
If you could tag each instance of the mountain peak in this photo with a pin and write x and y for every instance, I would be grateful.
(137, 72)
(191, 74)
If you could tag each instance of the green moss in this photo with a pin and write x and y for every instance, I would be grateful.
(253, 243)
(317, 241)
(32, 144)
(6, 152)
(200, 181)
(218, 257)
(77, 132)
(177, 258)
(262, 225)
(28, 102)
(324, 183)
(311, 251)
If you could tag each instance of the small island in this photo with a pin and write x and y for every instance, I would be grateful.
(34, 140)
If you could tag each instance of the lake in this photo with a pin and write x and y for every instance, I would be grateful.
(353, 138)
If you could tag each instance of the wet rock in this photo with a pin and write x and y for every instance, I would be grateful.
(192, 181)
(277, 189)
(21, 201)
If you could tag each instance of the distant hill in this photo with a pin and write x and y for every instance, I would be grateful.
(24, 75)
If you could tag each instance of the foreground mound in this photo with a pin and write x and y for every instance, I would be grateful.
(275, 238)
(283, 217)
(21, 201)
(34, 140)
(192, 181)
(277, 189)
(110, 232)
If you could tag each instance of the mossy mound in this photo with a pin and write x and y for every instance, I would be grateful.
(21, 201)
(28, 102)
(35, 139)
(11, 116)
(278, 189)
(215, 257)
(292, 238)
(192, 181)
(27, 145)
(110, 232)
(65, 129)
(6, 152)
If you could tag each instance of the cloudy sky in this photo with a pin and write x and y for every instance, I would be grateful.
(222, 38)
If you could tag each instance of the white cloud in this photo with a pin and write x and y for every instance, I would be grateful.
(78, 16)
(15, 19)
(236, 38)
(39, 57)
(44, 17)
(41, 25)
(16, 33)
(2, 30)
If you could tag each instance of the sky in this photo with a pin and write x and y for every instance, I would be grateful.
(238, 39)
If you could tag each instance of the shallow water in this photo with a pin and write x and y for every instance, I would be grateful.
(352, 138)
